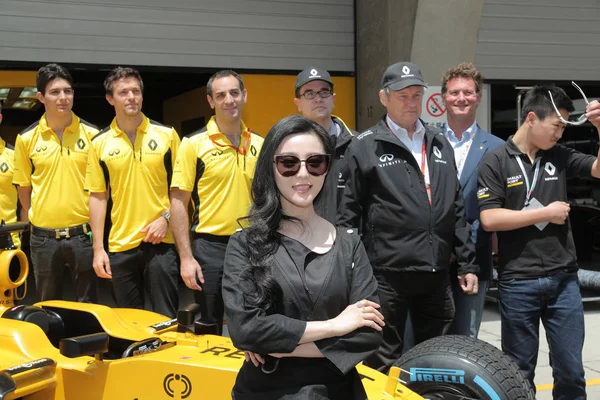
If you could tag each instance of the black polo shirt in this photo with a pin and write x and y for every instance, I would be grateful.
(528, 253)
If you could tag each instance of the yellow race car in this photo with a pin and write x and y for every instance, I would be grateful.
(64, 350)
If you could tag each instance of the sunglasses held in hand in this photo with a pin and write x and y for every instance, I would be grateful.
(582, 119)
(288, 165)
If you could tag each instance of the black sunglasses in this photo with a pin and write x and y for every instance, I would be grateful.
(316, 165)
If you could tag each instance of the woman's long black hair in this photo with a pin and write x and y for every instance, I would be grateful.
(266, 213)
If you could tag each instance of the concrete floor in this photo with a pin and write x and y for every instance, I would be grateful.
(490, 332)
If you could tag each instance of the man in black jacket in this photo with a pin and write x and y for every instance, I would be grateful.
(403, 194)
(314, 97)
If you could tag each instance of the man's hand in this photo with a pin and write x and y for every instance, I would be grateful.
(592, 112)
(191, 273)
(101, 264)
(558, 212)
(156, 230)
(469, 283)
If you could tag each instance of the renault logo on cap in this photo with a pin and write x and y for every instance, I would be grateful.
(550, 169)
(405, 70)
(386, 158)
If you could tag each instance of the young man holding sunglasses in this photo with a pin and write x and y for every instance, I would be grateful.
(523, 196)
(402, 186)
(315, 98)
(214, 168)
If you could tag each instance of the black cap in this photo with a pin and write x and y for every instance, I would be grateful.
(402, 75)
(313, 74)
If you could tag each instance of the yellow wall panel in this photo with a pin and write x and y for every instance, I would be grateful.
(271, 97)
(17, 79)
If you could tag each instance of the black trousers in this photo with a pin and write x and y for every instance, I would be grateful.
(153, 267)
(427, 295)
(49, 257)
(209, 251)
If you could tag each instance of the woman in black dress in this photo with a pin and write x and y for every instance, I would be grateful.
(299, 294)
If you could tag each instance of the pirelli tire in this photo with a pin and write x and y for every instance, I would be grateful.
(458, 367)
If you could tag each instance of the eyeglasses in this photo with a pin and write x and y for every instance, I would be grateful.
(316, 165)
(582, 119)
(323, 93)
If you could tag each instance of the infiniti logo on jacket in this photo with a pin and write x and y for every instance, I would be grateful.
(387, 159)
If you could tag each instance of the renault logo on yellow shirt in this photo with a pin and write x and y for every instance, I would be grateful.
(4, 167)
(81, 144)
(152, 144)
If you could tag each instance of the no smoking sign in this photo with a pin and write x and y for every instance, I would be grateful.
(435, 106)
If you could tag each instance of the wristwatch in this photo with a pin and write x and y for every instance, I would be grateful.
(166, 215)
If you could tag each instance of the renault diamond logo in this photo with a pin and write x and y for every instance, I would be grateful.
(386, 158)
(114, 152)
(437, 152)
(4, 167)
(253, 150)
(550, 169)
(152, 144)
(405, 70)
(80, 144)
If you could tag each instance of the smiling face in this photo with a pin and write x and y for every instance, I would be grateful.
(461, 99)
(227, 98)
(301, 189)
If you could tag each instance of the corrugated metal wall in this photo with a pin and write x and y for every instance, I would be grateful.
(540, 40)
(243, 34)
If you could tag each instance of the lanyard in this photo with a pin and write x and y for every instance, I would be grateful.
(535, 177)
(241, 151)
(423, 164)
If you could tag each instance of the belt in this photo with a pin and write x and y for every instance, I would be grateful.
(211, 238)
(61, 233)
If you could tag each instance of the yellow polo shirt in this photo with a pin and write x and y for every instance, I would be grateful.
(55, 171)
(138, 177)
(8, 192)
(219, 177)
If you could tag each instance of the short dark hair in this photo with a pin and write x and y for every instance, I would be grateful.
(537, 100)
(463, 70)
(120, 73)
(297, 92)
(50, 72)
(223, 74)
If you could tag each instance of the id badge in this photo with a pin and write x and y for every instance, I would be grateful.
(534, 204)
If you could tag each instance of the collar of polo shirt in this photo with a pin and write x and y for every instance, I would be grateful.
(143, 128)
(213, 130)
(73, 127)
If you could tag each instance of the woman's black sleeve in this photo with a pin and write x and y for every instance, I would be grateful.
(250, 328)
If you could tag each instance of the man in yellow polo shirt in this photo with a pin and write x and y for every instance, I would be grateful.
(133, 160)
(215, 167)
(8, 192)
(50, 162)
